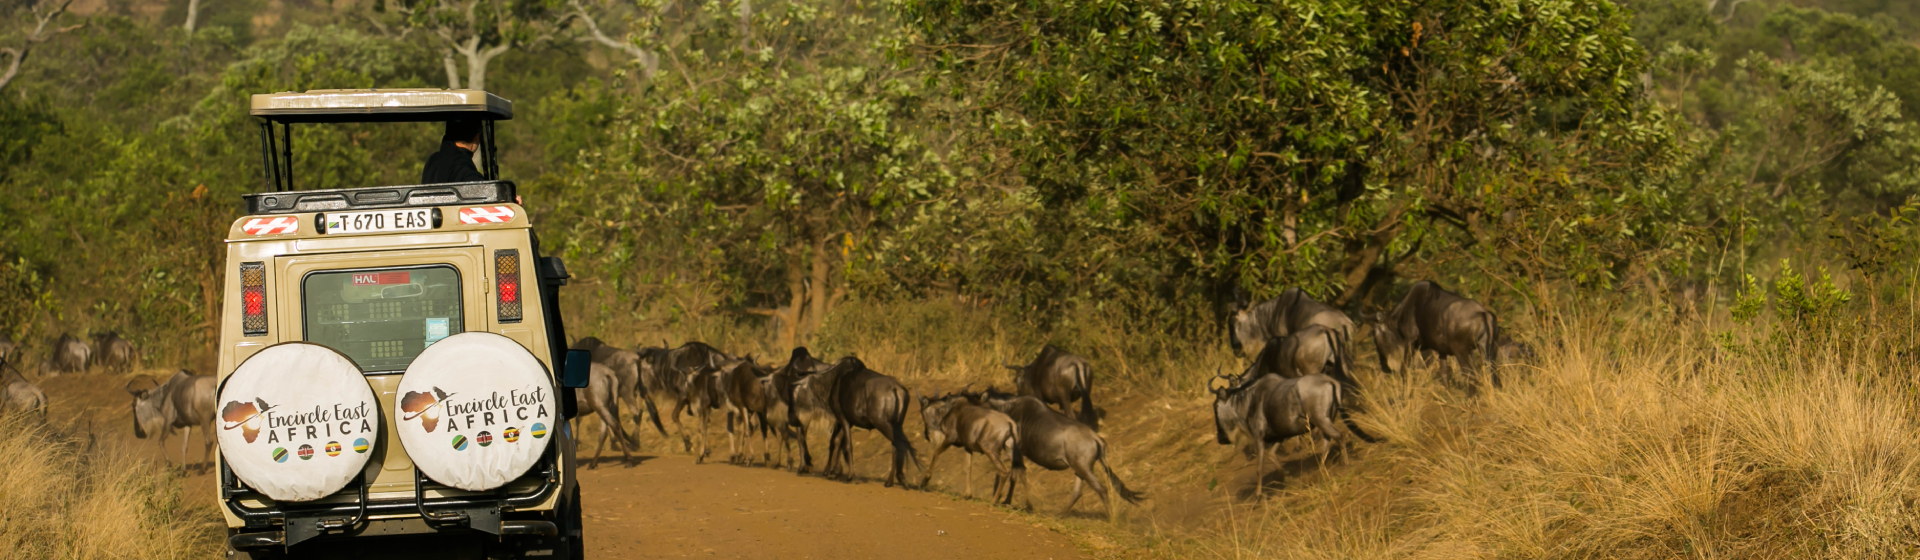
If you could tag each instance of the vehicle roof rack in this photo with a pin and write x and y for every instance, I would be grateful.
(380, 105)
(373, 198)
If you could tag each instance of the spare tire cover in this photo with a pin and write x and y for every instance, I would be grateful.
(475, 411)
(297, 420)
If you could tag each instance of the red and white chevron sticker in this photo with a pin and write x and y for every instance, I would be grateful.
(272, 226)
(486, 215)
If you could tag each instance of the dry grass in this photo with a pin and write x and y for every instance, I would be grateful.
(59, 498)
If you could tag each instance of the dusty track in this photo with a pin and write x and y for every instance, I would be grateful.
(668, 507)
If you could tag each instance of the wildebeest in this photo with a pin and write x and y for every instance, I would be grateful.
(796, 411)
(20, 395)
(749, 398)
(858, 397)
(6, 346)
(182, 402)
(1313, 350)
(114, 353)
(1292, 311)
(1271, 409)
(951, 420)
(1057, 443)
(1058, 378)
(667, 376)
(601, 399)
(66, 354)
(702, 394)
(1431, 319)
(627, 366)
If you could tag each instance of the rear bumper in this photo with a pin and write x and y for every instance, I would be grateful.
(512, 511)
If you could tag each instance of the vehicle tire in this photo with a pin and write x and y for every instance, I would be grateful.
(575, 531)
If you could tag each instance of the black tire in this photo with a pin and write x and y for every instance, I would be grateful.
(573, 531)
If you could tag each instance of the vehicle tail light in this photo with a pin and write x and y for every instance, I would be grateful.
(506, 280)
(253, 298)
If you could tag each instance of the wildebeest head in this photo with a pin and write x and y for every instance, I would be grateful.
(1388, 344)
(588, 343)
(147, 416)
(1223, 388)
(1247, 331)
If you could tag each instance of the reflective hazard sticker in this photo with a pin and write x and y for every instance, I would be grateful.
(486, 215)
(272, 226)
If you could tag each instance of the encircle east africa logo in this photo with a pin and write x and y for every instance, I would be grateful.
(244, 415)
(424, 406)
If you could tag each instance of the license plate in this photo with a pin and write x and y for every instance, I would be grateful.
(385, 220)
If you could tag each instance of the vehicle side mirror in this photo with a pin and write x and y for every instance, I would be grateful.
(578, 370)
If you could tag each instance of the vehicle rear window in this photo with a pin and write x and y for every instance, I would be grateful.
(382, 318)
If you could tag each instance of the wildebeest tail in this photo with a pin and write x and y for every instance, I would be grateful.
(1127, 494)
(1088, 416)
(1340, 408)
(1492, 332)
(898, 425)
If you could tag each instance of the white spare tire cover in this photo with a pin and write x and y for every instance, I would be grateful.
(297, 421)
(475, 411)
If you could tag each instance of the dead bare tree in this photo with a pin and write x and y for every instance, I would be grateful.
(43, 16)
(479, 30)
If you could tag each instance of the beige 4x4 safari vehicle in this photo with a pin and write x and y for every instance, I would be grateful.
(393, 376)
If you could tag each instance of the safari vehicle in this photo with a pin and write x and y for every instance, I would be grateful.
(376, 277)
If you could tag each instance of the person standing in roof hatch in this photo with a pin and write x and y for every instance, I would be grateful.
(454, 162)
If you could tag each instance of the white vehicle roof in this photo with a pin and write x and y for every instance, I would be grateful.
(380, 105)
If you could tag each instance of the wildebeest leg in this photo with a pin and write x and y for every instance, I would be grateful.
(927, 477)
(1079, 483)
(206, 454)
(686, 443)
(806, 457)
(1260, 469)
(186, 442)
(936, 455)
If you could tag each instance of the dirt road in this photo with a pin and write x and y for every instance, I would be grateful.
(668, 507)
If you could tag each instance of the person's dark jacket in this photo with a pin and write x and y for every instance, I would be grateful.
(452, 164)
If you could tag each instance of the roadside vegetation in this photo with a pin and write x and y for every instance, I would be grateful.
(1700, 215)
(68, 498)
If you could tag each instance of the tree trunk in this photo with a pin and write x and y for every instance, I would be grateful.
(746, 24)
(821, 304)
(193, 15)
(796, 299)
(453, 71)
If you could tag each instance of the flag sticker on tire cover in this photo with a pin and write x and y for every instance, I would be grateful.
(460, 443)
(486, 215)
(333, 449)
(510, 434)
(360, 445)
(279, 454)
(539, 430)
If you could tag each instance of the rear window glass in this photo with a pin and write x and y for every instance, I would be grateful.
(382, 318)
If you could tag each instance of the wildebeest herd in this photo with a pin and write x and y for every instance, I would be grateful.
(768, 403)
(1298, 382)
(65, 354)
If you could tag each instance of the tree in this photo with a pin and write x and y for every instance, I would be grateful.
(43, 13)
(1316, 142)
(479, 30)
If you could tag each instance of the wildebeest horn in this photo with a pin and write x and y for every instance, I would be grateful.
(129, 386)
(1013, 367)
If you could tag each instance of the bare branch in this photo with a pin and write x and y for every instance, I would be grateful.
(649, 61)
(40, 34)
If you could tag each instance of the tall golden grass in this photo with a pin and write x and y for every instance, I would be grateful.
(60, 498)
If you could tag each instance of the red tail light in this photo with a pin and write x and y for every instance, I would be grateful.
(253, 298)
(506, 280)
